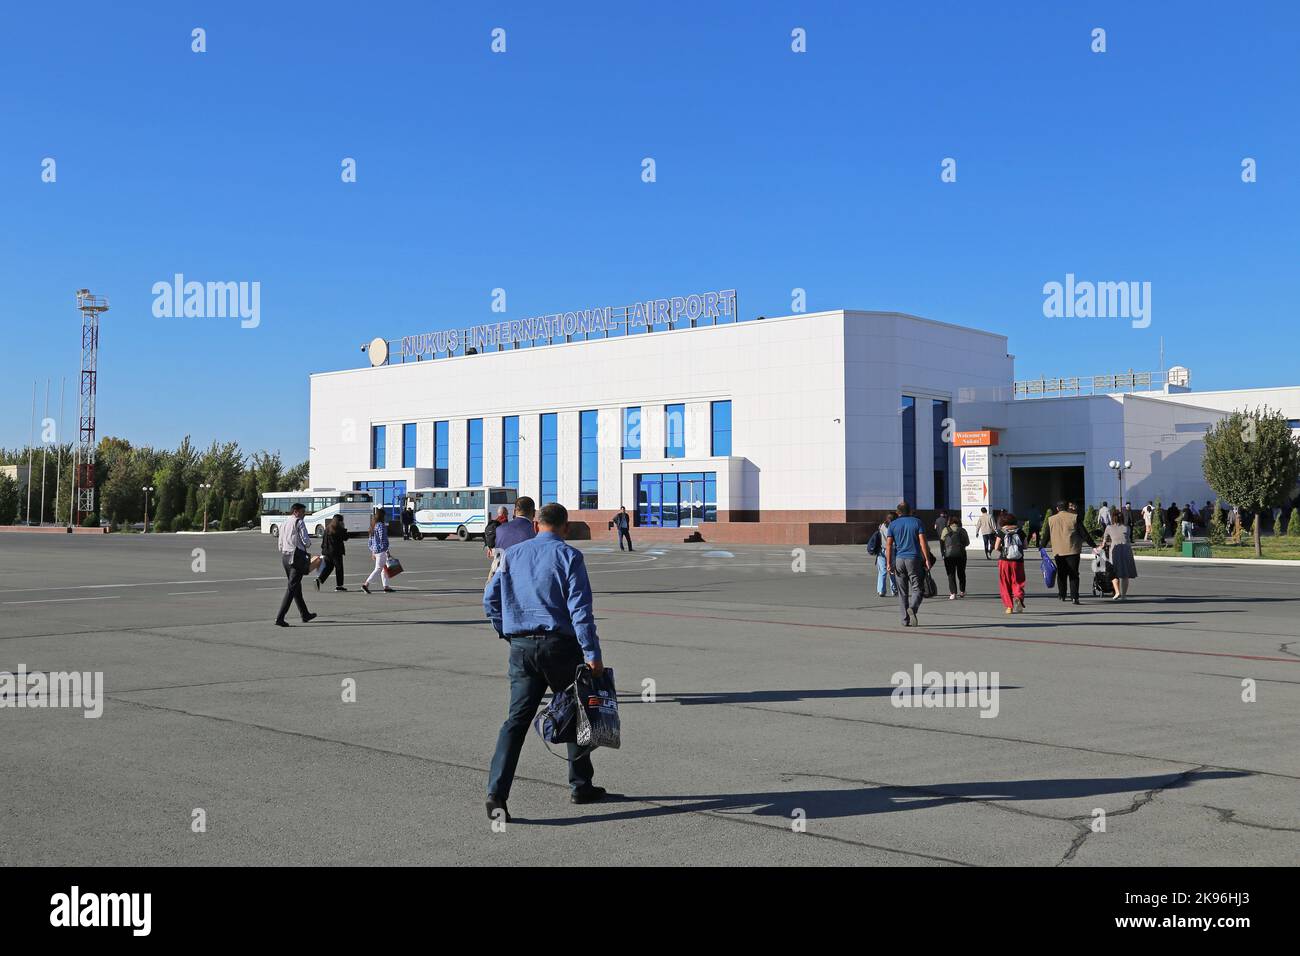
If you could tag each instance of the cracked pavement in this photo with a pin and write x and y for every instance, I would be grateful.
(773, 737)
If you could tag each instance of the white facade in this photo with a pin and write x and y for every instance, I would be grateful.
(814, 403)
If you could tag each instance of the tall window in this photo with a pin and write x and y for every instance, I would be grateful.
(942, 460)
(378, 446)
(674, 431)
(549, 459)
(510, 451)
(721, 415)
(408, 445)
(588, 461)
(631, 434)
(474, 452)
(909, 449)
(440, 445)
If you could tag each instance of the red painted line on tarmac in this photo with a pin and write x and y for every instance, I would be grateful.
(965, 637)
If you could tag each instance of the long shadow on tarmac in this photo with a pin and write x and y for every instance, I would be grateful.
(790, 696)
(860, 801)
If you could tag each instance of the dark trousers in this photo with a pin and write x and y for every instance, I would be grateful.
(624, 533)
(956, 568)
(331, 563)
(1067, 566)
(909, 575)
(536, 663)
(406, 531)
(988, 544)
(295, 566)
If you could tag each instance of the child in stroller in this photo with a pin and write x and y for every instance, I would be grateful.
(1101, 574)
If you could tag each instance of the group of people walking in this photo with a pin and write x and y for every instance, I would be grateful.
(904, 560)
(295, 555)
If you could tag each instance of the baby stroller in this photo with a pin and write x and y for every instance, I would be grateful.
(1101, 574)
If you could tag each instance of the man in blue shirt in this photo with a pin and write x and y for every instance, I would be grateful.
(908, 554)
(520, 527)
(540, 601)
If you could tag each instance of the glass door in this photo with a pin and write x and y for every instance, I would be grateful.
(691, 507)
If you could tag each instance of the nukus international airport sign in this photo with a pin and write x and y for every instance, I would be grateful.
(648, 315)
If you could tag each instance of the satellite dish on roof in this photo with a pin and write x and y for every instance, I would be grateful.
(378, 350)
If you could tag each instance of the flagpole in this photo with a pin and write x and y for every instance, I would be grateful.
(31, 437)
(58, 468)
(45, 446)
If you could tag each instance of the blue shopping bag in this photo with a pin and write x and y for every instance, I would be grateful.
(1049, 568)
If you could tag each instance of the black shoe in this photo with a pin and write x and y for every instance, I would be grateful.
(309, 618)
(318, 584)
(367, 590)
(389, 590)
(340, 588)
(493, 805)
(283, 624)
(588, 794)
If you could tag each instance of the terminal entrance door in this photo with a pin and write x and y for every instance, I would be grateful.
(676, 500)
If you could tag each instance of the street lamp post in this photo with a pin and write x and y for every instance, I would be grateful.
(1119, 467)
(146, 489)
(207, 493)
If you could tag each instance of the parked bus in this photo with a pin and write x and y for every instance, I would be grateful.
(463, 512)
(322, 505)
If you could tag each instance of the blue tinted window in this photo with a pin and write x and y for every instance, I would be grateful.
(909, 449)
(589, 460)
(408, 445)
(378, 446)
(631, 434)
(440, 446)
(942, 460)
(549, 460)
(721, 428)
(510, 451)
(475, 452)
(675, 431)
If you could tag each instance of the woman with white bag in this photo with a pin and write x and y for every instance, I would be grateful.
(378, 545)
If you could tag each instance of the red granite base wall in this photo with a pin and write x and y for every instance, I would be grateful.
(767, 527)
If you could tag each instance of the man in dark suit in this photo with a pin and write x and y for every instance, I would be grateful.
(622, 521)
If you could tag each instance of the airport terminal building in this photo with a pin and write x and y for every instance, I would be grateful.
(798, 429)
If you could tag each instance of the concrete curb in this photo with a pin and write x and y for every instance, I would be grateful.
(1256, 562)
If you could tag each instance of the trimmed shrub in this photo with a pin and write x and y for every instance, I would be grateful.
(1157, 526)
(1218, 531)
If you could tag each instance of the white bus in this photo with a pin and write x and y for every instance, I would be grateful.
(463, 512)
(322, 505)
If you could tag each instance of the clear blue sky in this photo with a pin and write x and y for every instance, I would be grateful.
(522, 171)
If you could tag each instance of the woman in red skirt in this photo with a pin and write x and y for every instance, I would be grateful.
(1011, 563)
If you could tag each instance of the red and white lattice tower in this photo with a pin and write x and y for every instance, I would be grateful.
(83, 473)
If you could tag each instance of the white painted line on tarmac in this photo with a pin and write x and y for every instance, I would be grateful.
(174, 593)
(107, 597)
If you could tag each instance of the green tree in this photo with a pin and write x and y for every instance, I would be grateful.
(1158, 526)
(295, 479)
(1178, 539)
(1218, 532)
(9, 500)
(1252, 460)
(1293, 524)
(1091, 522)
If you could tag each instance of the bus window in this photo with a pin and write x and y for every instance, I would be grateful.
(475, 499)
(502, 498)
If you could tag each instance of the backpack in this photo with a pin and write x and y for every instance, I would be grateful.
(953, 544)
(873, 545)
(1013, 547)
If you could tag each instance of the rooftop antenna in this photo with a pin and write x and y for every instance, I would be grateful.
(83, 472)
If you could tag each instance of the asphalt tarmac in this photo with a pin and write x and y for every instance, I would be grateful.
(761, 723)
